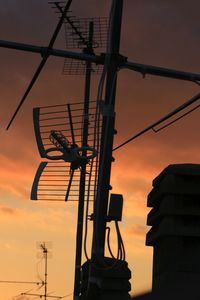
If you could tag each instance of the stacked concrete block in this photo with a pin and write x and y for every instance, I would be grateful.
(175, 221)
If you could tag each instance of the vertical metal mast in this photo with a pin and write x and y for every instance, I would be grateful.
(112, 61)
(45, 251)
(79, 234)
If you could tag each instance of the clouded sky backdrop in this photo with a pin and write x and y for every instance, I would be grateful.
(156, 32)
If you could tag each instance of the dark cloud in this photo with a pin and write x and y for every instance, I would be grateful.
(163, 32)
(7, 210)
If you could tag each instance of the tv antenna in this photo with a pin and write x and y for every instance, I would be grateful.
(45, 295)
(112, 62)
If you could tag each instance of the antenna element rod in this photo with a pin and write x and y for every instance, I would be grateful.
(43, 62)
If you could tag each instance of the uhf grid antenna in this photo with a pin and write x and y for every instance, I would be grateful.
(77, 36)
(112, 61)
(58, 179)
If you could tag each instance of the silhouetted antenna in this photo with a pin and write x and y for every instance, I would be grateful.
(59, 136)
(100, 32)
(166, 117)
(77, 37)
(67, 165)
(42, 63)
(44, 252)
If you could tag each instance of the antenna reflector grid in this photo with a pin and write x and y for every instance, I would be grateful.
(54, 179)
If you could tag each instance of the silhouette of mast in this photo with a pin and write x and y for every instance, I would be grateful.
(112, 62)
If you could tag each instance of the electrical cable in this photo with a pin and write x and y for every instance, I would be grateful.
(166, 117)
(106, 63)
(42, 63)
(107, 128)
(68, 295)
(96, 138)
(97, 118)
(22, 282)
(95, 146)
(121, 255)
(121, 241)
(100, 92)
(87, 210)
(120, 251)
(108, 243)
(177, 119)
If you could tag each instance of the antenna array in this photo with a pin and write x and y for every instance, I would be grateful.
(57, 180)
(77, 37)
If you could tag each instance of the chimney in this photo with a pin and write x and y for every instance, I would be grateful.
(175, 231)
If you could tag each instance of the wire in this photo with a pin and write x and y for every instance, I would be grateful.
(120, 241)
(121, 254)
(86, 212)
(22, 282)
(177, 119)
(66, 296)
(108, 242)
(166, 117)
(42, 63)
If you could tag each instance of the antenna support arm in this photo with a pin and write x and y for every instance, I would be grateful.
(55, 52)
(99, 59)
(162, 72)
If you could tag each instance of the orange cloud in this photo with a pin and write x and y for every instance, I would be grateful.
(138, 230)
(7, 210)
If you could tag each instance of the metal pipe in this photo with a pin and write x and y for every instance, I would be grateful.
(160, 71)
(101, 202)
(79, 234)
(54, 52)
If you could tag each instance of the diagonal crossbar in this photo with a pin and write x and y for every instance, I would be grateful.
(42, 63)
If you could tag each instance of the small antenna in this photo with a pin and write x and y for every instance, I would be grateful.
(45, 253)
(44, 247)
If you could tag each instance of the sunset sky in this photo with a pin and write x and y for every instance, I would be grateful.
(156, 32)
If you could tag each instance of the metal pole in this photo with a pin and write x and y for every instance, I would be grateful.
(54, 52)
(79, 235)
(45, 252)
(101, 203)
(45, 282)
